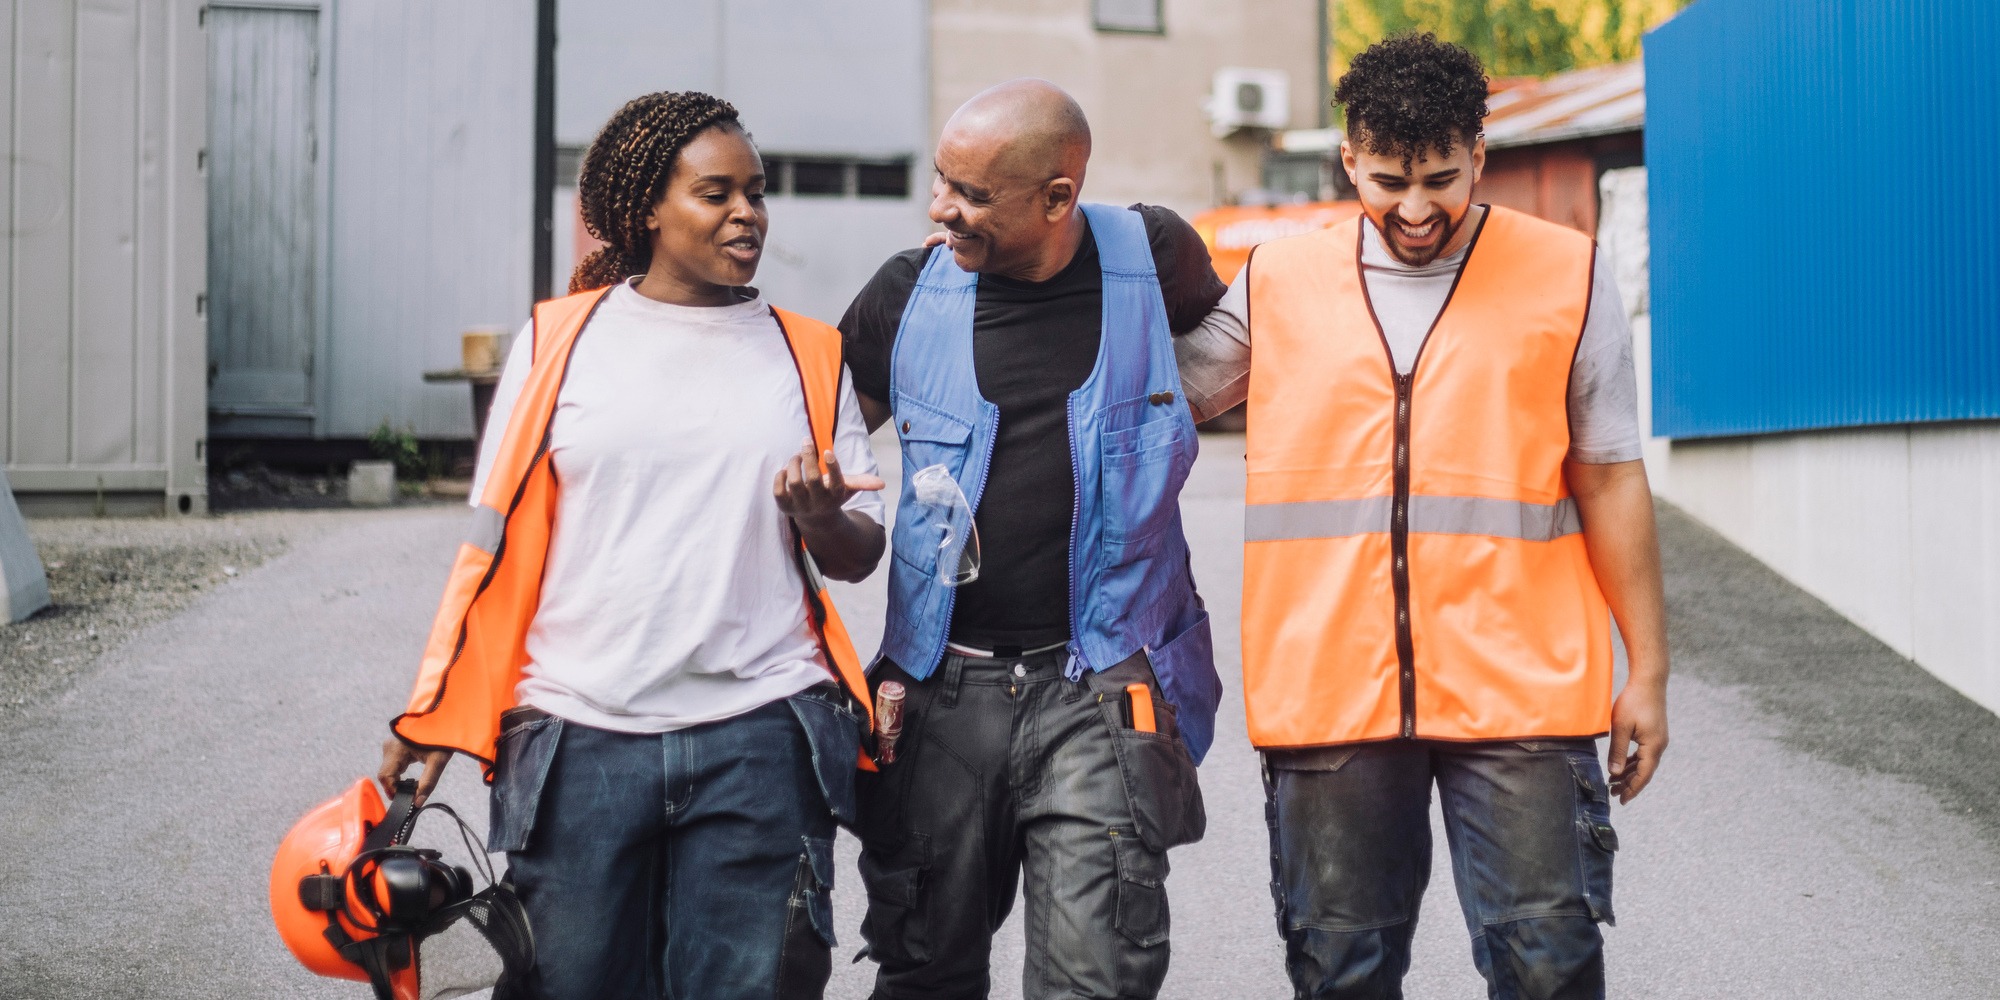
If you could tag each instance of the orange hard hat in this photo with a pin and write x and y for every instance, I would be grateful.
(311, 865)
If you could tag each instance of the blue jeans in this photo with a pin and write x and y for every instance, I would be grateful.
(1531, 847)
(695, 864)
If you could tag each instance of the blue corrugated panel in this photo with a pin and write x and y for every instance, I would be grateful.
(1825, 200)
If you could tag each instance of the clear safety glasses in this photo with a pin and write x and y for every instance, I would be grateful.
(958, 550)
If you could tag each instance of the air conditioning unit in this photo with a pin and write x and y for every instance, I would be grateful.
(1249, 98)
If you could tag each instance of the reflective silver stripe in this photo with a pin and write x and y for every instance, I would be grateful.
(1273, 522)
(1534, 522)
(488, 526)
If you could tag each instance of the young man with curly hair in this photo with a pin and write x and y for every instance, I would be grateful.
(1445, 498)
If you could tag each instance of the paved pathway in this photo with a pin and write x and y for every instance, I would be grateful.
(1827, 823)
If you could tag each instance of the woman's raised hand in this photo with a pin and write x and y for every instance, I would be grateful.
(813, 498)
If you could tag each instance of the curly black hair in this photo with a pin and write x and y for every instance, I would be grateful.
(625, 174)
(1412, 93)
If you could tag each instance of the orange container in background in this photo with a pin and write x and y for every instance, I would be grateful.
(1230, 232)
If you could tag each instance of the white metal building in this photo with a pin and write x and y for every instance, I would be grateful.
(371, 188)
(101, 273)
(249, 218)
(836, 93)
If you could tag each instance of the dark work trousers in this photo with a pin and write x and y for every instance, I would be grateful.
(691, 865)
(1005, 771)
(1531, 845)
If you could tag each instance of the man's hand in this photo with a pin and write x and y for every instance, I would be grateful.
(1638, 716)
(813, 498)
(397, 756)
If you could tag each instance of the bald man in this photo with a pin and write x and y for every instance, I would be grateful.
(1061, 686)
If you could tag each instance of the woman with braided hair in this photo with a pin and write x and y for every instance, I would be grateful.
(662, 471)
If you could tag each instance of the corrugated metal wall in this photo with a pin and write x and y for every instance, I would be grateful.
(262, 210)
(431, 143)
(1825, 183)
(102, 269)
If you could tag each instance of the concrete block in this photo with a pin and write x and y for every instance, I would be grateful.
(27, 585)
(371, 484)
(1623, 233)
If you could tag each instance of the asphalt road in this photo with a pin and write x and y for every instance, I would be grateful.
(1827, 823)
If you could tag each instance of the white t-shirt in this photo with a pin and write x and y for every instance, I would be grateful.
(671, 596)
(1603, 391)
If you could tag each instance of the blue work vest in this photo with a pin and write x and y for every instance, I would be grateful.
(1131, 444)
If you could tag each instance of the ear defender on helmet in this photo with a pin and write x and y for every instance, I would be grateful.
(353, 900)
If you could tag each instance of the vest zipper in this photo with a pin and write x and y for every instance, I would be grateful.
(1399, 508)
(1073, 670)
(1399, 557)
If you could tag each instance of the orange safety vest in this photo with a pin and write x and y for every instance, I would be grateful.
(478, 641)
(1413, 561)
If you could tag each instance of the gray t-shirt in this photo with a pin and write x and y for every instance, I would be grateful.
(1603, 392)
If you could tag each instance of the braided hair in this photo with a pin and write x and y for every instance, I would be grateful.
(625, 174)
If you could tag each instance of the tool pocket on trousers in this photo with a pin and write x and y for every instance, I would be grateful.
(1597, 842)
(805, 960)
(896, 882)
(833, 731)
(1158, 774)
(1142, 890)
(520, 768)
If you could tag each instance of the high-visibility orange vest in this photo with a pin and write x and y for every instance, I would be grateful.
(1413, 562)
(478, 640)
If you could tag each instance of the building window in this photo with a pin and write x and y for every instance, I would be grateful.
(822, 177)
(882, 180)
(836, 177)
(1129, 15)
(774, 176)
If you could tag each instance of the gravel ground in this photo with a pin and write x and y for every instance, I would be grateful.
(111, 577)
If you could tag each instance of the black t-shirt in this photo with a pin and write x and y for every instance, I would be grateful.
(1032, 345)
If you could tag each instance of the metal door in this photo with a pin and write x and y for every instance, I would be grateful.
(263, 75)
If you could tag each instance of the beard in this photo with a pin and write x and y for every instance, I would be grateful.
(1392, 229)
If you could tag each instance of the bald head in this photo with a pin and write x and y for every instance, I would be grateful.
(1009, 172)
(1032, 129)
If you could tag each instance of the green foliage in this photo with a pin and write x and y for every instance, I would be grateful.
(402, 448)
(1512, 37)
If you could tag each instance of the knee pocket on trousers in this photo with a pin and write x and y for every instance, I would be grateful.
(1142, 890)
(1556, 958)
(897, 884)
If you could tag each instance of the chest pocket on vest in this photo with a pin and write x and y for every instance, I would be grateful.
(1143, 468)
(929, 437)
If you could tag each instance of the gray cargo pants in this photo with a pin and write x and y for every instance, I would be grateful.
(1005, 769)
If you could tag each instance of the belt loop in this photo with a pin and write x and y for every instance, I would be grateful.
(952, 670)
